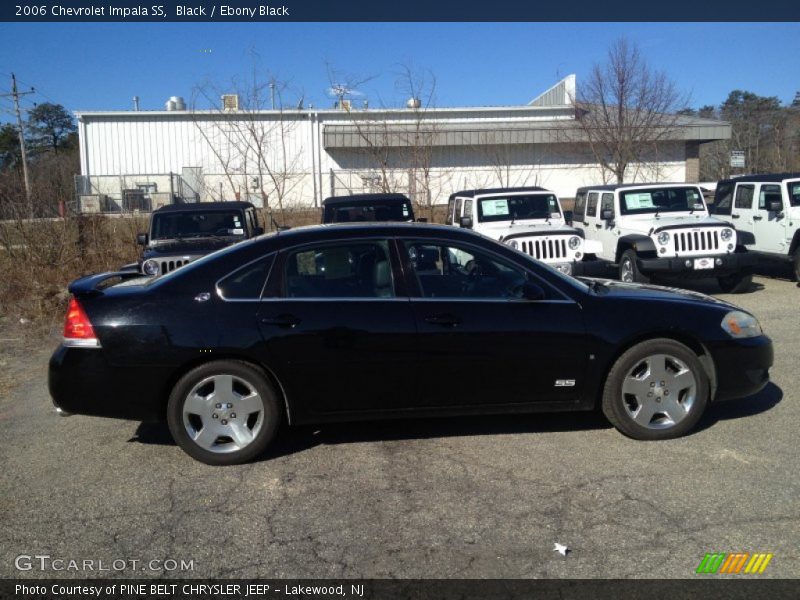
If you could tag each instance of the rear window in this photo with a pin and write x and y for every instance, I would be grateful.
(346, 213)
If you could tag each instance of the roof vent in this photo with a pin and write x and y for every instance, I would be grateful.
(175, 103)
(413, 103)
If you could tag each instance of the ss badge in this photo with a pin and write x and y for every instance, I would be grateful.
(565, 383)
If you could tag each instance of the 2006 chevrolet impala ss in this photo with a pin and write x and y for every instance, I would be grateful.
(345, 322)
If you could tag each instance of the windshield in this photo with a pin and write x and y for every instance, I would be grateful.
(794, 192)
(167, 226)
(515, 208)
(661, 200)
(343, 213)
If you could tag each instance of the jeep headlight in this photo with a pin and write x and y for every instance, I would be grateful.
(663, 238)
(150, 267)
(574, 242)
(513, 244)
(726, 234)
(738, 324)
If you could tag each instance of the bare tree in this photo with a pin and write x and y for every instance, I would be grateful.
(626, 111)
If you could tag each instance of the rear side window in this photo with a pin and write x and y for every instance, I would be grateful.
(247, 282)
(744, 196)
(608, 202)
(591, 209)
(794, 192)
(580, 206)
(467, 208)
(769, 194)
(353, 270)
(723, 199)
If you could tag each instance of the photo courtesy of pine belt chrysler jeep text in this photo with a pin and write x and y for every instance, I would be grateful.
(387, 320)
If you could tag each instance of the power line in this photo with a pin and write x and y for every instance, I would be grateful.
(16, 95)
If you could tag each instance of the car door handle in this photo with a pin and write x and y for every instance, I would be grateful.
(734, 216)
(757, 217)
(444, 319)
(281, 321)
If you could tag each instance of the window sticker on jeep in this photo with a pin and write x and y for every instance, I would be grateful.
(238, 231)
(493, 208)
(637, 201)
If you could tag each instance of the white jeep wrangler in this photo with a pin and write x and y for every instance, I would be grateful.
(528, 219)
(663, 229)
(774, 220)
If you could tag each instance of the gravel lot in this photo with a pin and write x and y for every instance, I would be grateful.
(467, 497)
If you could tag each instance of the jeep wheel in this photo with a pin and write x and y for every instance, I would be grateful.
(656, 390)
(797, 265)
(628, 270)
(223, 413)
(737, 283)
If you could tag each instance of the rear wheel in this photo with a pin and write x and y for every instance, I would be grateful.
(628, 270)
(223, 412)
(737, 283)
(656, 390)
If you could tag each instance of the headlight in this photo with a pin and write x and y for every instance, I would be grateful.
(738, 324)
(663, 238)
(726, 234)
(574, 242)
(513, 244)
(150, 267)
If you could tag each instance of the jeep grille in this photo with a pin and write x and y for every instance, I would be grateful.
(171, 265)
(706, 240)
(551, 249)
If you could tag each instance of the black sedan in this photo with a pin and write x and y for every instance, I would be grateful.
(335, 323)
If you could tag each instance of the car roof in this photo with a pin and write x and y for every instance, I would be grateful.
(485, 191)
(770, 177)
(363, 198)
(610, 187)
(232, 205)
(380, 228)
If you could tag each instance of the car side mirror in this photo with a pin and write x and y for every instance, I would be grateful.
(607, 214)
(776, 206)
(532, 291)
(258, 230)
(466, 222)
(569, 216)
(422, 220)
(142, 239)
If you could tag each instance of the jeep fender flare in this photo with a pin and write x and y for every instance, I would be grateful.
(746, 238)
(795, 242)
(641, 244)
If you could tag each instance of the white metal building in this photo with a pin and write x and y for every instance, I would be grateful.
(296, 158)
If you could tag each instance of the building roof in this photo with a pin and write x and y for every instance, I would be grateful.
(486, 191)
(771, 177)
(204, 206)
(364, 198)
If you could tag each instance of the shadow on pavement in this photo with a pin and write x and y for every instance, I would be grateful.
(759, 403)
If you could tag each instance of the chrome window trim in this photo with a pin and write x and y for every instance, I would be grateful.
(217, 289)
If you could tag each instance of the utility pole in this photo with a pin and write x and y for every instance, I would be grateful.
(15, 94)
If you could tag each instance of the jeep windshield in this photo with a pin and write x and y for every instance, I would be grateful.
(517, 208)
(197, 224)
(374, 211)
(661, 200)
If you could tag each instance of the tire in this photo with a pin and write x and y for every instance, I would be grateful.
(628, 270)
(737, 283)
(223, 413)
(796, 263)
(636, 397)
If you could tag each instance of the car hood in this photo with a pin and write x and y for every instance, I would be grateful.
(537, 227)
(189, 246)
(647, 224)
(618, 289)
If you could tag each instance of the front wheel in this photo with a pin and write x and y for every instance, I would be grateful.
(223, 413)
(797, 265)
(737, 283)
(656, 390)
(628, 270)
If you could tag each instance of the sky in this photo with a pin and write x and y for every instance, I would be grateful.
(96, 66)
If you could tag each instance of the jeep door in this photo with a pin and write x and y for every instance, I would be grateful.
(480, 343)
(339, 330)
(770, 231)
(742, 213)
(591, 219)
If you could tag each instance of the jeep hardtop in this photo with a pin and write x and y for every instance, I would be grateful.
(663, 229)
(367, 207)
(181, 233)
(774, 219)
(528, 219)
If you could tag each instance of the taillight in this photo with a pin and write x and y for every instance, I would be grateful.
(78, 330)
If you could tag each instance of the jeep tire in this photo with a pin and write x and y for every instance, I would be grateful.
(628, 269)
(796, 263)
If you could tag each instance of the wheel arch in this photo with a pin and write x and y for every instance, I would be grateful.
(795, 242)
(268, 372)
(680, 336)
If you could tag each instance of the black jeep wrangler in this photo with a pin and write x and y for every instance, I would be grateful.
(367, 207)
(181, 233)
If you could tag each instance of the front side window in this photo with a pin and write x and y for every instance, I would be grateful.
(768, 195)
(511, 208)
(446, 271)
(661, 200)
(468, 208)
(352, 270)
(723, 199)
(744, 196)
(197, 224)
(794, 192)
(580, 206)
(591, 209)
(607, 202)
